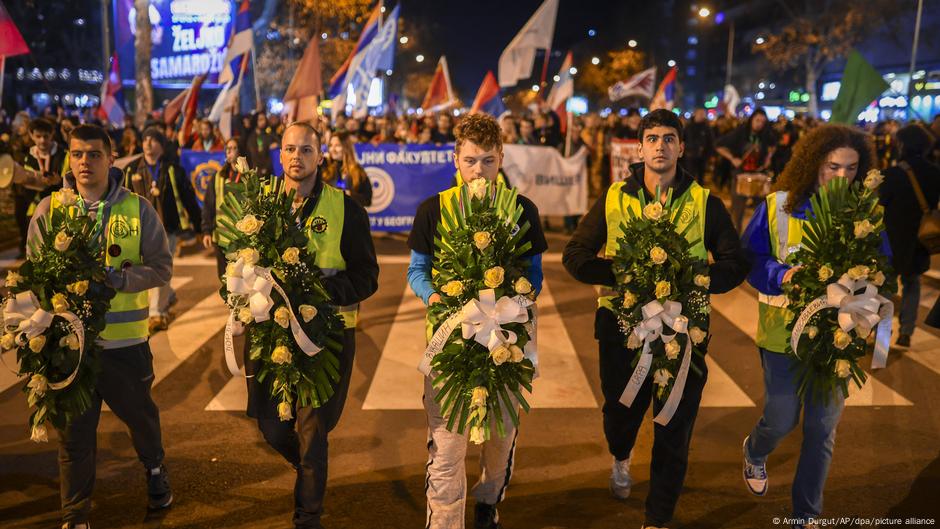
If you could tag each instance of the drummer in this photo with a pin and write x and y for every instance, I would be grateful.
(748, 148)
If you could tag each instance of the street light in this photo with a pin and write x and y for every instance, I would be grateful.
(631, 43)
(573, 70)
(759, 40)
(403, 40)
(704, 12)
(535, 88)
(719, 18)
(595, 61)
(556, 78)
(419, 58)
(671, 63)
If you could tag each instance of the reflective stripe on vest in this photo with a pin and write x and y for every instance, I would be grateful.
(693, 211)
(127, 316)
(785, 232)
(324, 229)
(219, 185)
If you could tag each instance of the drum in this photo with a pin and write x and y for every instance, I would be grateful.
(752, 185)
(7, 166)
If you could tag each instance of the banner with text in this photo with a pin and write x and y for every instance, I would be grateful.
(622, 154)
(557, 185)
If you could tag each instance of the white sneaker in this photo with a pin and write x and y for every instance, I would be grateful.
(755, 476)
(620, 480)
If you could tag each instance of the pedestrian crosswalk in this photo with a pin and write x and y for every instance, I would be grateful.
(395, 383)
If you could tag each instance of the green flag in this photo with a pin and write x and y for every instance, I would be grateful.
(860, 85)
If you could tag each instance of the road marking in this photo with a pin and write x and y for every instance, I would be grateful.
(721, 391)
(740, 308)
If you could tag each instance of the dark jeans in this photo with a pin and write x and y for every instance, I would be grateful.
(910, 301)
(220, 260)
(302, 441)
(124, 384)
(621, 424)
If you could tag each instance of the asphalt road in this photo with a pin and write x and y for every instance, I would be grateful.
(886, 462)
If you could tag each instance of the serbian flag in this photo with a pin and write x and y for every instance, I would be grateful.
(440, 94)
(561, 91)
(369, 31)
(240, 44)
(112, 98)
(191, 105)
(666, 93)
(488, 98)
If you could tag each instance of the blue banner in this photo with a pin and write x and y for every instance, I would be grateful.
(189, 38)
(402, 177)
(200, 166)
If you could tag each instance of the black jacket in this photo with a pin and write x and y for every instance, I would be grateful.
(165, 202)
(208, 202)
(334, 174)
(903, 213)
(728, 268)
(361, 277)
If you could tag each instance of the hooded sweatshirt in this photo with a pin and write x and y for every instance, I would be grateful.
(157, 267)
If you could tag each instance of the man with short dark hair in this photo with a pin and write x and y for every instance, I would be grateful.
(478, 153)
(337, 228)
(46, 158)
(709, 228)
(134, 263)
(158, 178)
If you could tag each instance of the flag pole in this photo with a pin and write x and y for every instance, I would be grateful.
(910, 79)
(3, 67)
(254, 76)
(570, 118)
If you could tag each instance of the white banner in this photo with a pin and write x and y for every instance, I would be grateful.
(622, 154)
(556, 184)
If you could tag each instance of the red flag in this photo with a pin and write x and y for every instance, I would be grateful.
(11, 41)
(440, 94)
(666, 93)
(191, 104)
(306, 84)
(561, 91)
(111, 107)
(488, 98)
(173, 109)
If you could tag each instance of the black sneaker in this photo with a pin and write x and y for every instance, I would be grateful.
(159, 495)
(485, 517)
(904, 340)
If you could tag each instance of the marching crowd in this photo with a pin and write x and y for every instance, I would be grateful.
(799, 156)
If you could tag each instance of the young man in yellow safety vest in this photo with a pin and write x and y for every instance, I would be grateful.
(165, 183)
(661, 147)
(338, 231)
(478, 153)
(137, 259)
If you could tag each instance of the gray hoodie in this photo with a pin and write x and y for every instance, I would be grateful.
(157, 267)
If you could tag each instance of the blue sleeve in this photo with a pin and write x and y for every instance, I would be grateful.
(886, 246)
(419, 275)
(767, 272)
(535, 272)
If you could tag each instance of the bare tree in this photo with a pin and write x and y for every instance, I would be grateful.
(144, 83)
(819, 31)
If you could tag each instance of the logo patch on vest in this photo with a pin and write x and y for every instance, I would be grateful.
(121, 229)
(685, 216)
(318, 224)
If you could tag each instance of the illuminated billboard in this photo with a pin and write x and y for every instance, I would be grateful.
(189, 38)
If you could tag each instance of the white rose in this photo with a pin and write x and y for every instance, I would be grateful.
(522, 286)
(284, 411)
(661, 377)
(878, 279)
(249, 255)
(244, 315)
(308, 312)
(842, 368)
(672, 350)
(70, 341)
(8, 342)
(841, 339)
(249, 225)
(873, 179)
(863, 229)
(478, 398)
(37, 343)
(702, 280)
(13, 279)
(663, 289)
(78, 288)
(494, 277)
(825, 273)
(482, 239)
(478, 187)
(67, 197)
(658, 255)
(629, 299)
(62, 241)
(453, 288)
(811, 331)
(653, 211)
(518, 354)
(281, 355)
(634, 341)
(241, 164)
(697, 335)
(291, 255)
(500, 354)
(858, 272)
(477, 435)
(39, 434)
(282, 317)
(38, 384)
(60, 303)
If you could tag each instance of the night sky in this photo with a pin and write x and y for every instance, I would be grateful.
(473, 34)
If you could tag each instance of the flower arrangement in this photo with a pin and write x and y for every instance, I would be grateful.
(54, 311)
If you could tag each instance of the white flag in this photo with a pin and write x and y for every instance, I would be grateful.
(515, 63)
(640, 84)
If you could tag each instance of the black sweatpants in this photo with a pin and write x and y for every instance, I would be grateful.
(302, 441)
(621, 424)
(124, 384)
